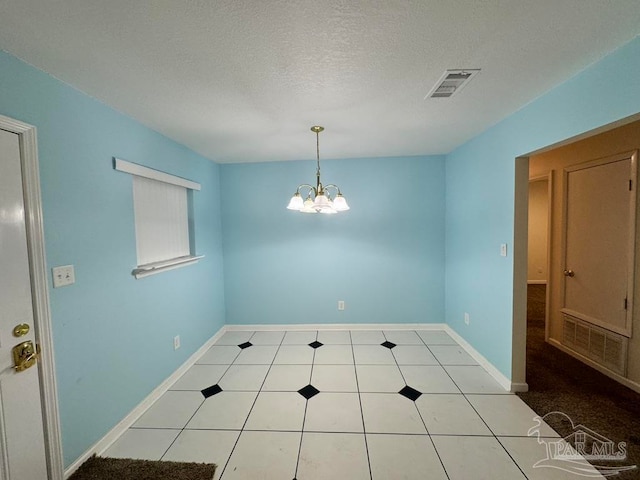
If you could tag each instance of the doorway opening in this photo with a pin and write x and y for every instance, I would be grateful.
(561, 378)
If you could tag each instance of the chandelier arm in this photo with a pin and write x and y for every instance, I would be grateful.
(332, 185)
(310, 187)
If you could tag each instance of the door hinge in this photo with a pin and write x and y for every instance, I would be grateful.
(626, 303)
(630, 185)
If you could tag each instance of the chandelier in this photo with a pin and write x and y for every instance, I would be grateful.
(318, 199)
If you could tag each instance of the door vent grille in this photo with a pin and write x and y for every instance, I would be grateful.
(451, 82)
(606, 348)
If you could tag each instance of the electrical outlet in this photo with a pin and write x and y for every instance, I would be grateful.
(176, 342)
(466, 318)
(63, 276)
(340, 304)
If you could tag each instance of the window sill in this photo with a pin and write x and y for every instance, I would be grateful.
(158, 267)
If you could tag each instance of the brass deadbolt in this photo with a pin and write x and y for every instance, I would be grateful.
(20, 330)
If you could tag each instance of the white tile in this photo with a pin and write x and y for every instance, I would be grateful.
(287, 378)
(334, 337)
(428, 379)
(450, 415)
(474, 379)
(244, 377)
(333, 455)
(294, 355)
(171, 410)
(234, 338)
(452, 355)
(390, 413)
(300, 338)
(508, 415)
(277, 411)
(142, 443)
(413, 355)
(267, 338)
(264, 456)
(199, 377)
(257, 355)
(334, 354)
(479, 458)
(367, 337)
(379, 378)
(220, 354)
(333, 412)
(203, 446)
(532, 457)
(223, 411)
(436, 337)
(407, 457)
(403, 337)
(373, 355)
(334, 378)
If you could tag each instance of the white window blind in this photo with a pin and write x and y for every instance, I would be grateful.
(161, 210)
(162, 223)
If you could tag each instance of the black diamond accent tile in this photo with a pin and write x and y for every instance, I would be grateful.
(245, 345)
(411, 393)
(388, 344)
(316, 344)
(211, 391)
(308, 391)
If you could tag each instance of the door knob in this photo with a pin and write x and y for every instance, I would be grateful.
(569, 273)
(24, 356)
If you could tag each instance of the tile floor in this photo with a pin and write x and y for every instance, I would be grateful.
(315, 405)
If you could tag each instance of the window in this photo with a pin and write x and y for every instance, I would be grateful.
(161, 209)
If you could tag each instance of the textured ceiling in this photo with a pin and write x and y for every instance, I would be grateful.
(243, 80)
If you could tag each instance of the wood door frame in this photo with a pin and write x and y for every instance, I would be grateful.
(547, 295)
(39, 289)
(633, 155)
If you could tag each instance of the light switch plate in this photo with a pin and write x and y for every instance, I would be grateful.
(503, 249)
(63, 276)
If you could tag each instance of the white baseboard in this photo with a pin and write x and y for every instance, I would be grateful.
(105, 442)
(486, 364)
(482, 361)
(618, 378)
(339, 326)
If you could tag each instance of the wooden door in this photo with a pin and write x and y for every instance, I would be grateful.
(599, 242)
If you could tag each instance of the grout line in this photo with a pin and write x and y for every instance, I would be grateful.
(511, 457)
(306, 406)
(444, 469)
(201, 404)
(364, 428)
(252, 405)
(354, 365)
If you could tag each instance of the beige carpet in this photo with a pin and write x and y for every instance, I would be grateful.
(99, 468)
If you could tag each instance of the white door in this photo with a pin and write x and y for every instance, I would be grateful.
(599, 248)
(22, 448)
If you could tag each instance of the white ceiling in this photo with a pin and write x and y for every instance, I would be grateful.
(243, 80)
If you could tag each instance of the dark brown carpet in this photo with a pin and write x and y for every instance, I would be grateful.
(100, 468)
(558, 382)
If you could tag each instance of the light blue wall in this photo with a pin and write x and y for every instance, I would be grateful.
(480, 193)
(384, 257)
(113, 334)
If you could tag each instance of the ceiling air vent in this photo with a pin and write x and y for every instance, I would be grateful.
(452, 82)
